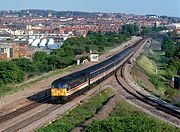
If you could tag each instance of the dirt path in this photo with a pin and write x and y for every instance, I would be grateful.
(105, 111)
(102, 114)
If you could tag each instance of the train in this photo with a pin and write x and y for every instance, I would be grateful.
(68, 87)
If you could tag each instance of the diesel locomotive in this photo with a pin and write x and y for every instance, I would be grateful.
(74, 84)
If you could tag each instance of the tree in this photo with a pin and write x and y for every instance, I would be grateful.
(145, 31)
(24, 64)
(62, 57)
(177, 52)
(68, 51)
(40, 59)
(169, 47)
(79, 50)
(58, 52)
(121, 38)
(59, 62)
(87, 49)
(40, 56)
(130, 29)
(100, 40)
(10, 73)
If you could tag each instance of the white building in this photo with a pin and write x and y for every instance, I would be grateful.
(174, 26)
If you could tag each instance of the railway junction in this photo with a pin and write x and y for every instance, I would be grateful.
(36, 114)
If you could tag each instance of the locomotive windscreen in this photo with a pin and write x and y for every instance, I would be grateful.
(59, 85)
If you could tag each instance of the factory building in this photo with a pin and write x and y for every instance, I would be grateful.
(10, 49)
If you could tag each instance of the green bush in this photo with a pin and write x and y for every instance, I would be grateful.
(128, 124)
(127, 118)
(10, 73)
(158, 83)
(79, 114)
(170, 93)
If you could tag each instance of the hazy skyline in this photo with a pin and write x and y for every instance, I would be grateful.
(142, 7)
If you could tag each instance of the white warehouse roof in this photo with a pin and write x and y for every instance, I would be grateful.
(36, 42)
(43, 42)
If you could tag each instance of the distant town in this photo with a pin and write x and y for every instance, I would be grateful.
(22, 33)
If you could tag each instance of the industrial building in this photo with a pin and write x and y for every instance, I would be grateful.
(10, 49)
(45, 43)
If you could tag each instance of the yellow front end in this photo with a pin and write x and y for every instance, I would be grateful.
(58, 92)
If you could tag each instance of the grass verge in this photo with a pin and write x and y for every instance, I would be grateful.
(154, 66)
(127, 118)
(147, 65)
(79, 114)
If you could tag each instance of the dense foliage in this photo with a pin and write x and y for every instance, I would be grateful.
(94, 41)
(130, 29)
(169, 47)
(138, 123)
(10, 73)
(172, 52)
(127, 118)
(17, 70)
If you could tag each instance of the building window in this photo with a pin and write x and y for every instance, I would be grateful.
(11, 52)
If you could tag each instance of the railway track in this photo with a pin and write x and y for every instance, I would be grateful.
(53, 110)
(152, 106)
(26, 122)
(149, 104)
(24, 109)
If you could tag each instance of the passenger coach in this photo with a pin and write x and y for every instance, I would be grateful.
(72, 85)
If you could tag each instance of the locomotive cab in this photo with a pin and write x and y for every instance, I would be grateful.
(59, 89)
(59, 92)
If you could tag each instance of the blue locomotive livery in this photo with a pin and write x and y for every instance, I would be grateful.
(73, 85)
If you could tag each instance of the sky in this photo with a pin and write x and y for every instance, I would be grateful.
(141, 7)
